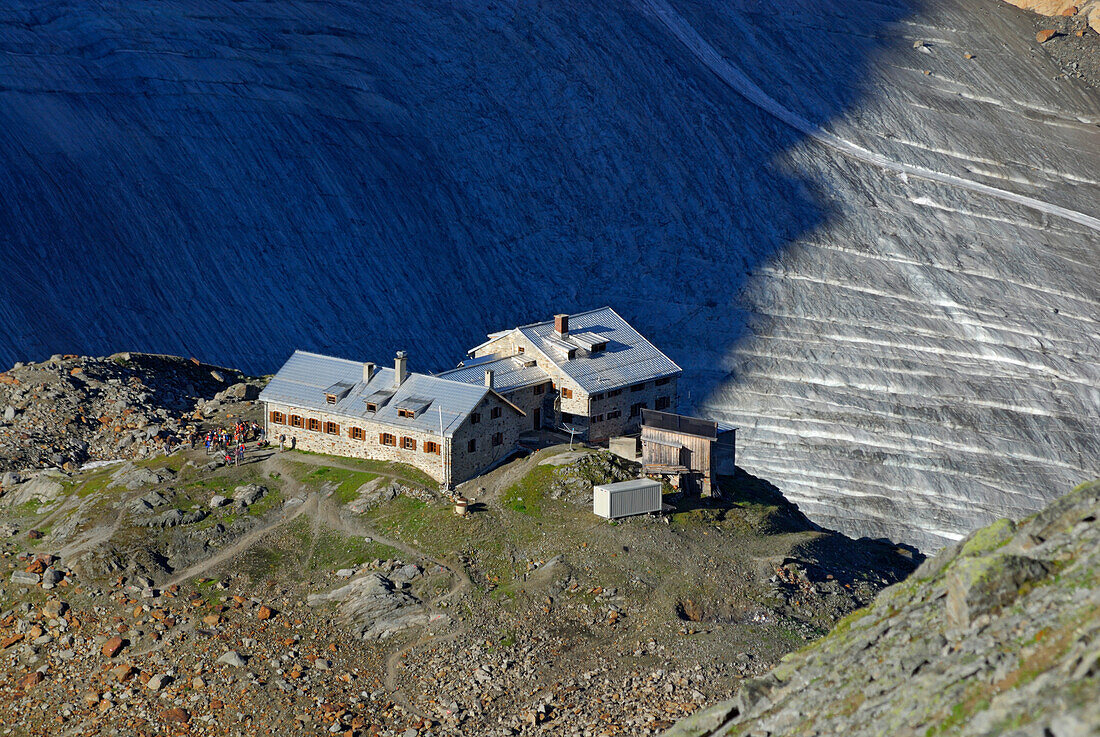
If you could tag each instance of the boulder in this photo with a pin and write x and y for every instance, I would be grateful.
(24, 578)
(977, 586)
(233, 659)
(249, 494)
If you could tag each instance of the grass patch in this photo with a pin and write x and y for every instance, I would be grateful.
(346, 482)
(325, 550)
(409, 474)
(97, 482)
(528, 495)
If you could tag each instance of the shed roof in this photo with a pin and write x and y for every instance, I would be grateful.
(632, 485)
(304, 378)
(628, 358)
(509, 373)
(684, 424)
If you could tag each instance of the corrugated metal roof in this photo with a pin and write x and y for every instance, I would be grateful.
(628, 359)
(303, 379)
(632, 485)
(508, 373)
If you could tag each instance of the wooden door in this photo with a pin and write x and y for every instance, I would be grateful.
(537, 423)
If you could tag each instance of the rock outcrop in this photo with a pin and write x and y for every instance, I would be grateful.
(72, 409)
(1090, 9)
(376, 607)
(997, 635)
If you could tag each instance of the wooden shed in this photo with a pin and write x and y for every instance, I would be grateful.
(691, 452)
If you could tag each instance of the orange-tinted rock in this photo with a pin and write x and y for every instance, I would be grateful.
(123, 672)
(9, 641)
(113, 646)
(31, 680)
(177, 715)
(265, 612)
(1044, 36)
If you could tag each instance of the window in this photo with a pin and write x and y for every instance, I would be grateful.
(331, 428)
(566, 393)
(662, 403)
(313, 424)
(372, 407)
(598, 418)
(471, 446)
(614, 393)
(636, 409)
(408, 443)
(662, 382)
(638, 387)
(431, 447)
(405, 413)
(614, 414)
(498, 438)
(520, 350)
(387, 439)
(355, 433)
(475, 417)
(330, 398)
(295, 421)
(539, 389)
(278, 418)
(496, 413)
(597, 397)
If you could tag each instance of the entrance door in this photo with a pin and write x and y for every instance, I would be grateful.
(538, 418)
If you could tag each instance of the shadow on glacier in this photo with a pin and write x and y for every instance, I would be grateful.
(355, 178)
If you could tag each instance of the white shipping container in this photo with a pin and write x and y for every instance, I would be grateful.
(626, 498)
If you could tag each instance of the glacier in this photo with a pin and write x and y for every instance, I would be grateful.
(875, 256)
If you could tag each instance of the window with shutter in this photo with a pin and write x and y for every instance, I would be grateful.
(496, 413)
(408, 443)
(471, 446)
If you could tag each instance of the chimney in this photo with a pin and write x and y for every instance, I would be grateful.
(368, 372)
(400, 368)
(489, 378)
(561, 325)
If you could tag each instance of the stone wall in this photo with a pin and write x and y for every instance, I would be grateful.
(343, 445)
(466, 464)
(622, 402)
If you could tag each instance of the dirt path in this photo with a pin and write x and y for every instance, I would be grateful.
(243, 543)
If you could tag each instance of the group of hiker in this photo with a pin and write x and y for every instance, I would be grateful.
(231, 441)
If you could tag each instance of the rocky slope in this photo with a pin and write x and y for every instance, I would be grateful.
(997, 635)
(302, 593)
(70, 409)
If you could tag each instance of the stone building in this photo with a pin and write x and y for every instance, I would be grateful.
(591, 373)
(451, 430)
